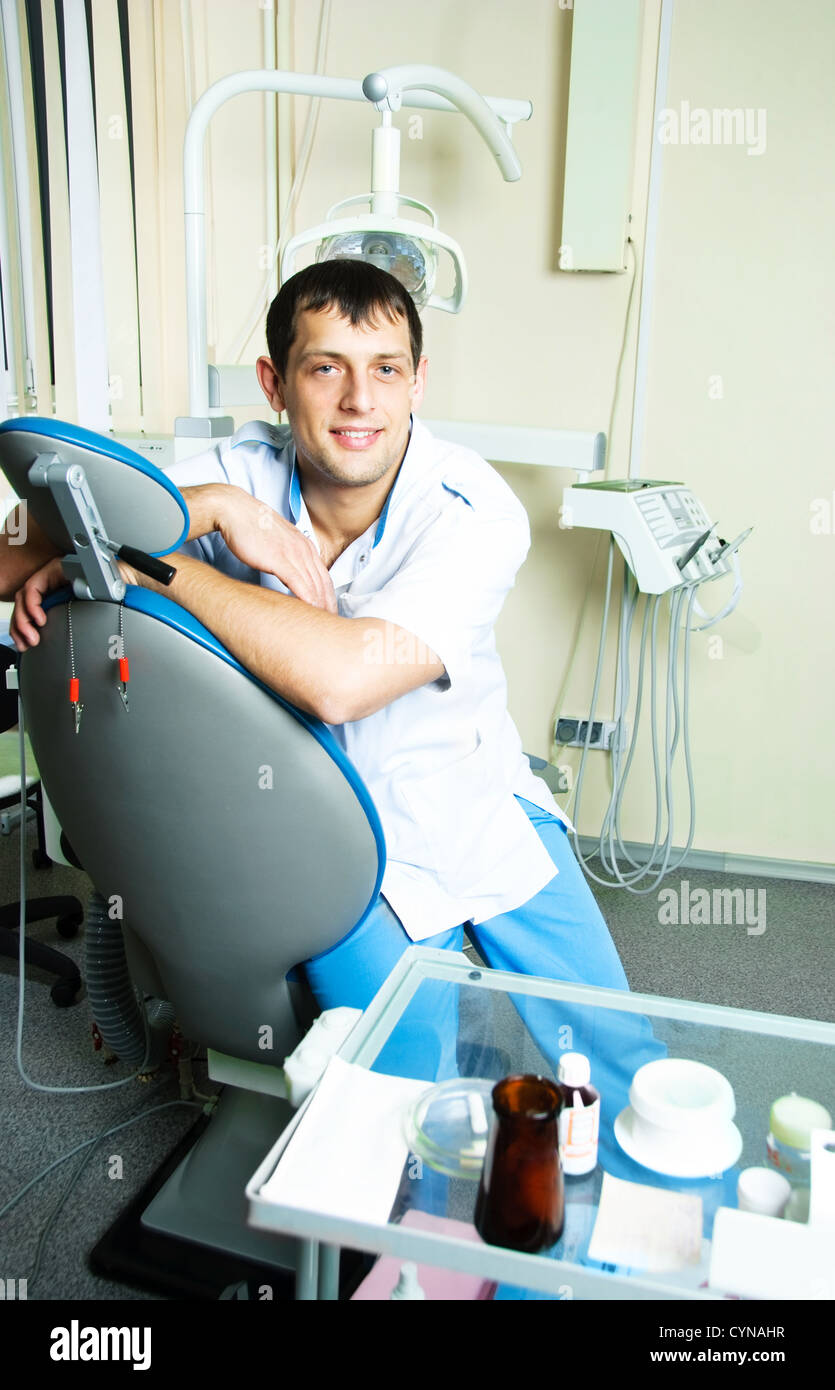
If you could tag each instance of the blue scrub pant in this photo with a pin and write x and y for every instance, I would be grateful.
(559, 934)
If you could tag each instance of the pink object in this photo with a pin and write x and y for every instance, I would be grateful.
(439, 1285)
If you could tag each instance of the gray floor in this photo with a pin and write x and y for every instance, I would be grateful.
(785, 968)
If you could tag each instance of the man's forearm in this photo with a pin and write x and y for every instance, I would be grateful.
(204, 503)
(24, 547)
(315, 659)
(19, 561)
(279, 639)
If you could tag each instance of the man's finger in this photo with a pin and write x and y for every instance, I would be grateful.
(22, 632)
(325, 587)
(31, 597)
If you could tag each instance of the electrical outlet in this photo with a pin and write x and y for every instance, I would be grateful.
(571, 733)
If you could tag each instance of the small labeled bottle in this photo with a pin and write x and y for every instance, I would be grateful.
(579, 1122)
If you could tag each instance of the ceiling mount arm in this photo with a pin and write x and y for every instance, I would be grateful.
(443, 91)
(386, 87)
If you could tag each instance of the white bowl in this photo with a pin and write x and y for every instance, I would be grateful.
(684, 1097)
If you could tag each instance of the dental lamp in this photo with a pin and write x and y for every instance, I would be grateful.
(409, 248)
(405, 248)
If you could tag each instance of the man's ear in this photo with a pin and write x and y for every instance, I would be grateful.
(419, 385)
(270, 383)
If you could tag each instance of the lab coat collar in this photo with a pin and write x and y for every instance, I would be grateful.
(280, 437)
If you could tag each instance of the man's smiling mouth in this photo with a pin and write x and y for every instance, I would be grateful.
(355, 438)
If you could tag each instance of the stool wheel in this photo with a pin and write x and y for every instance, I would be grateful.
(64, 991)
(68, 926)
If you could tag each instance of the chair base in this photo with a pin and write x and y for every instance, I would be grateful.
(185, 1235)
(204, 1200)
(70, 915)
(131, 1253)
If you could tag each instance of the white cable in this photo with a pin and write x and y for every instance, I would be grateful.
(37, 1085)
(558, 748)
(729, 606)
(650, 240)
(91, 1145)
(578, 786)
(626, 322)
(254, 318)
(676, 728)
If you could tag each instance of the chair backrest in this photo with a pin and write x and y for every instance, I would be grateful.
(227, 829)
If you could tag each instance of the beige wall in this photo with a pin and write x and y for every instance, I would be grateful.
(743, 291)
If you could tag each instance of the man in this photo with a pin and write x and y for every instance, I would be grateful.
(357, 565)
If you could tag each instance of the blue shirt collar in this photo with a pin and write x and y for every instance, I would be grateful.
(295, 490)
(381, 520)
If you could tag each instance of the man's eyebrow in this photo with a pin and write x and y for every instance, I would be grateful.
(342, 357)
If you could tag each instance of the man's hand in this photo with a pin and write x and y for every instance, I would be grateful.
(262, 539)
(28, 613)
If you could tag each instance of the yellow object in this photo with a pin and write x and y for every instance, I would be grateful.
(793, 1118)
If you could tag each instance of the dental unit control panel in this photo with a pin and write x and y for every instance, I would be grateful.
(662, 529)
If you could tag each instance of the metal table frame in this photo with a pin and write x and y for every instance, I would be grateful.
(322, 1236)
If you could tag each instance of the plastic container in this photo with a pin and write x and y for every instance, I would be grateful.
(789, 1141)
(449, 1126)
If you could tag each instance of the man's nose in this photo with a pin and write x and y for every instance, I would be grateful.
(357, 393)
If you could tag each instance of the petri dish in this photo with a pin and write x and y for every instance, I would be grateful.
(449, 1125)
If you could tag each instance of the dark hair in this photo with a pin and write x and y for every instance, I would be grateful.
(359, 292)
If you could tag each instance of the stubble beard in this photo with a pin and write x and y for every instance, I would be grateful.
(362, 474)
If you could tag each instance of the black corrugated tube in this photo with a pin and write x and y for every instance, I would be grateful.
(119, 1014)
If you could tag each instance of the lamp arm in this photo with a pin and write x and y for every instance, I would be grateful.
(443, 91)
(386, 87)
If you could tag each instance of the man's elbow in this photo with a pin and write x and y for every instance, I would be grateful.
(344, 698)
(325, 698)
(340, 705)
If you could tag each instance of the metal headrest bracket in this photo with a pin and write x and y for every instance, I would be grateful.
(92, 570)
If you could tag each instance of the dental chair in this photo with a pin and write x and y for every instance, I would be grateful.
(226, 833)
(67, 910)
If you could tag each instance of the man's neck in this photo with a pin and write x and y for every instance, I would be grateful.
(340, 513)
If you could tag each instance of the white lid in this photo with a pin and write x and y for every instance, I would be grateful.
(574, 1069)
(407, 1286)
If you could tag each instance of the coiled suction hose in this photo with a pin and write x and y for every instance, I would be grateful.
(127, 1027)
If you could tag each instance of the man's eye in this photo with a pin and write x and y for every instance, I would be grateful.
(388, 370)
(326, 368)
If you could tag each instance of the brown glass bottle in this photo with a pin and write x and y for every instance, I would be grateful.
(521, 1200)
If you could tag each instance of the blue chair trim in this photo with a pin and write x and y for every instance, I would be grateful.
(164, 610)
(109, 448)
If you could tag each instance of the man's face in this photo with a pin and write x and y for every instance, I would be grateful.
(348, 393)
